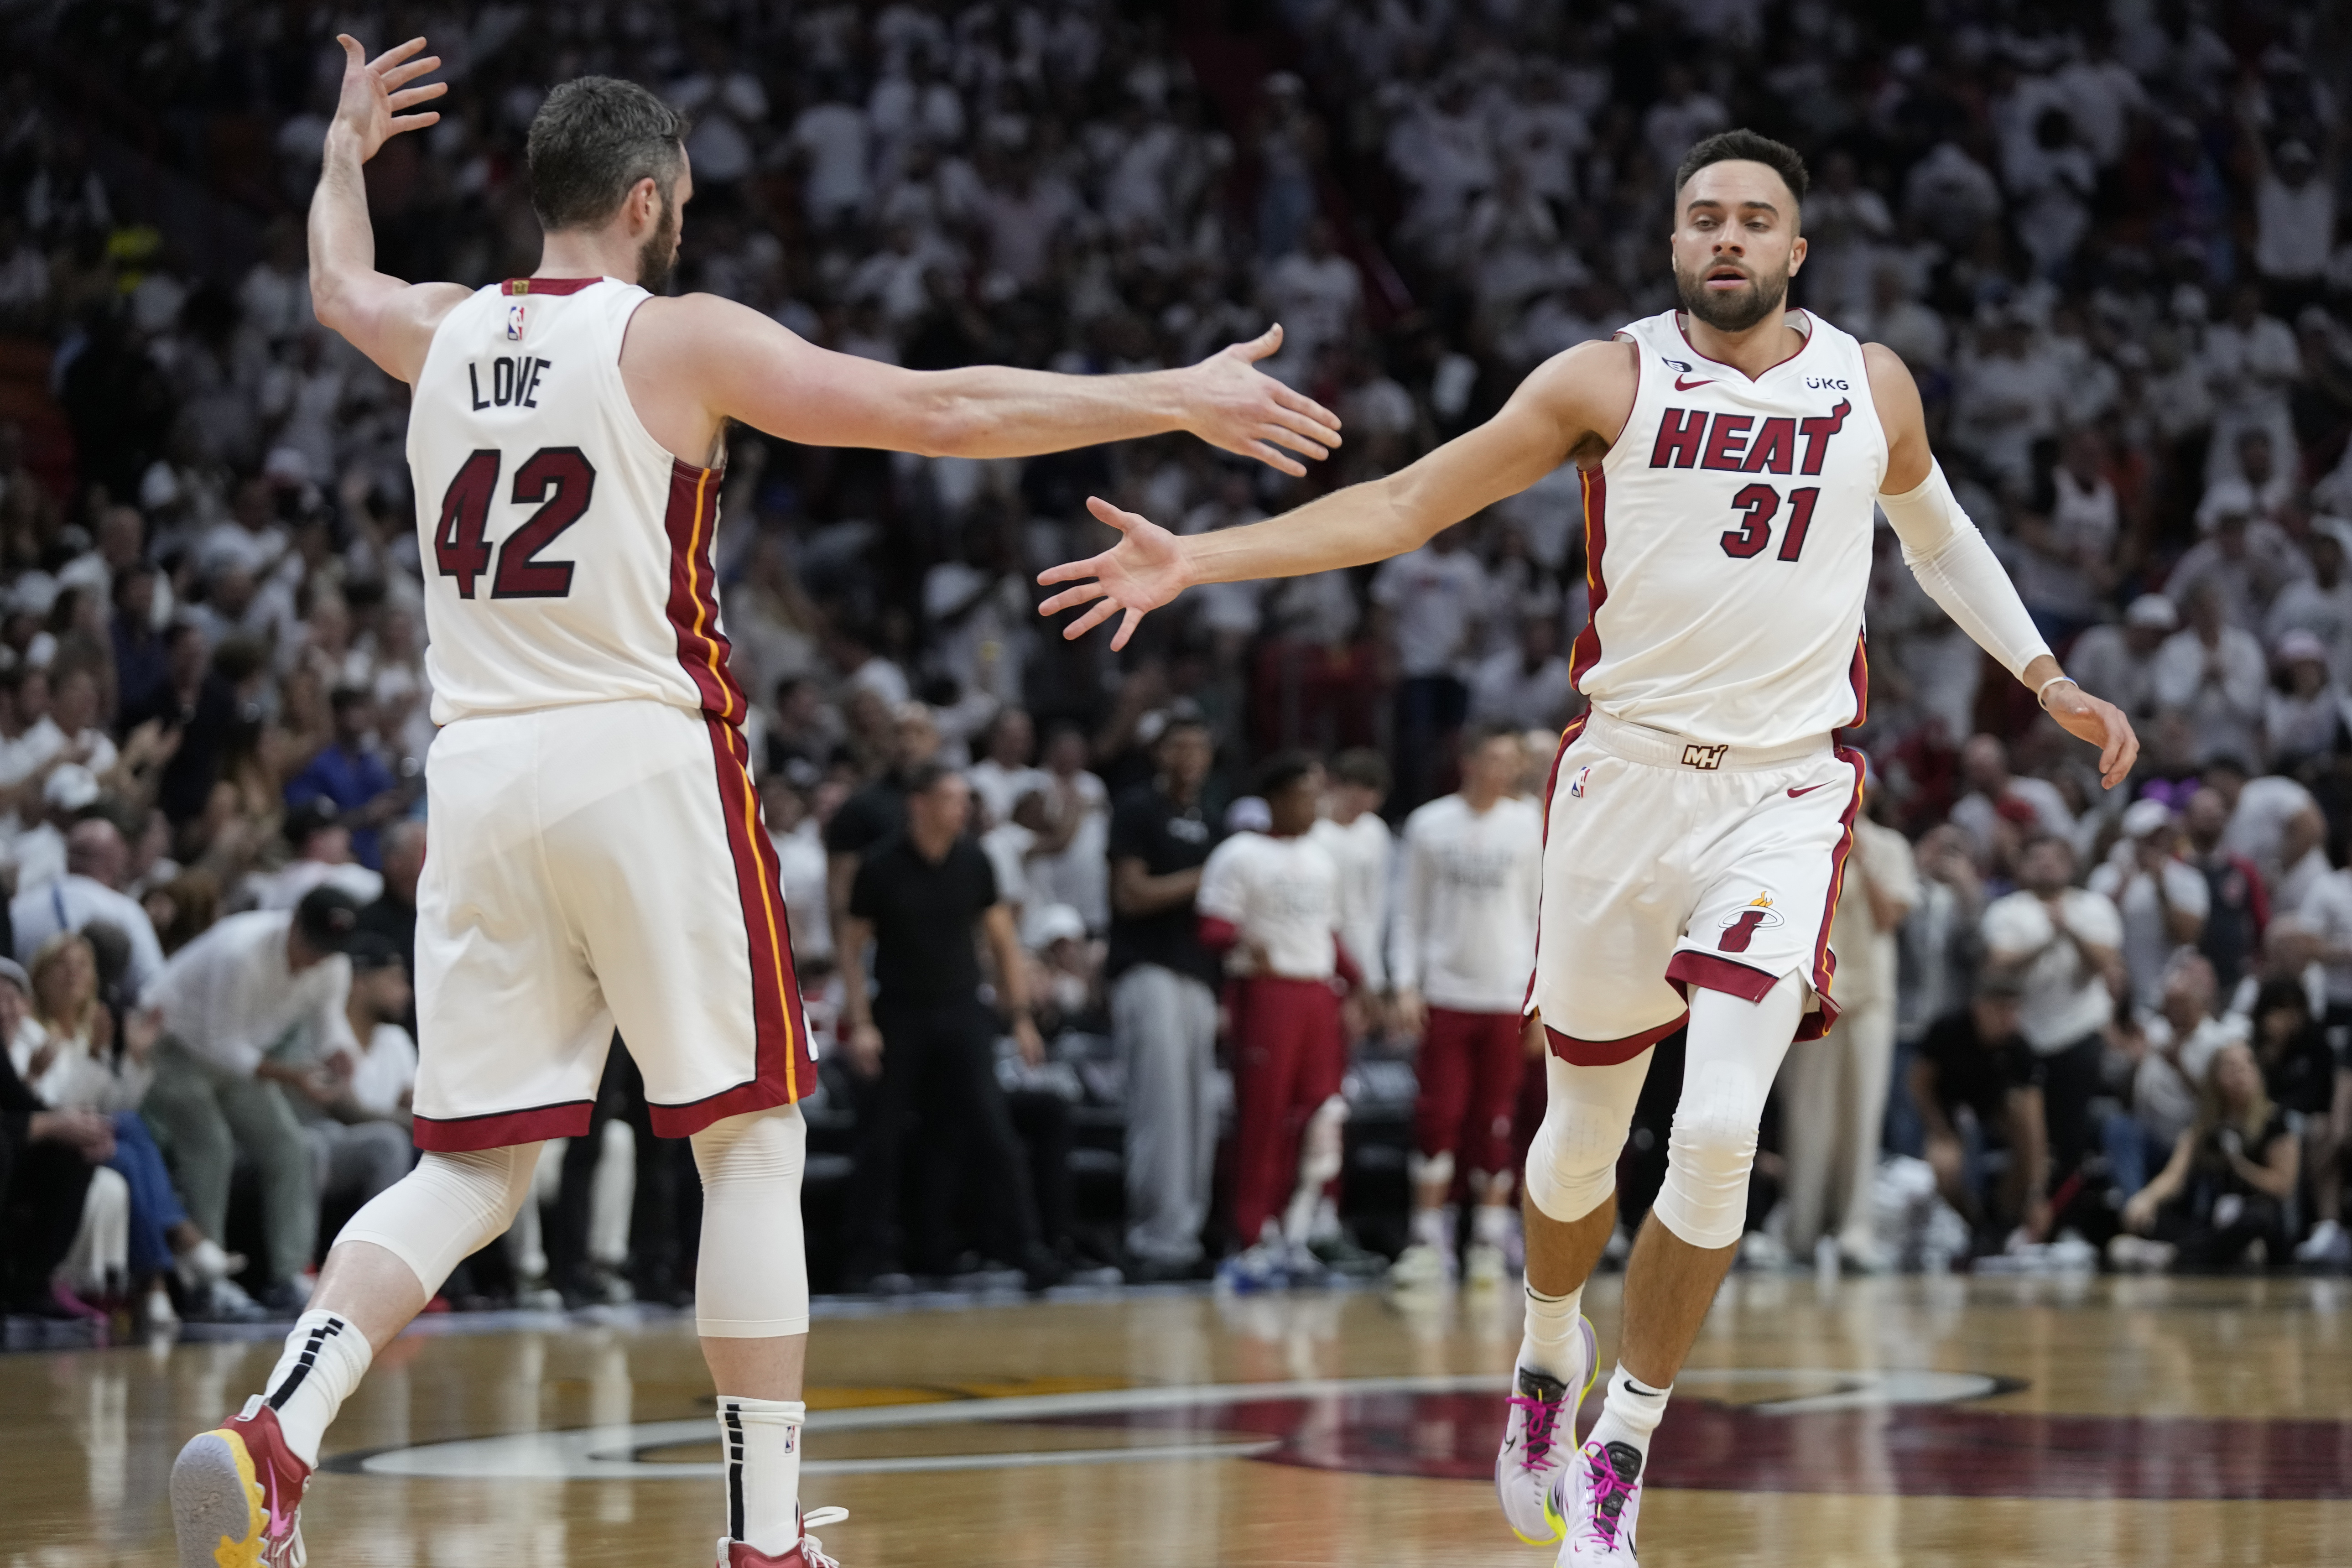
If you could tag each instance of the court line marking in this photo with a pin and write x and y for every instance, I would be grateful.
(612, 1452)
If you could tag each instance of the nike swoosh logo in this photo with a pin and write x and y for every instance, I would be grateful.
(1807, 790)
(1682, 385)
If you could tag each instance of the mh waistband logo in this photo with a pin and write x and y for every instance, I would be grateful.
(1708, 757)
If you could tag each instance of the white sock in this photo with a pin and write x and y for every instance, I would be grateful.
(1490, 1225)
(1547, 1344)
(1628, 1415)
(1429, 1228)
(324, 1359)
(759, 1441)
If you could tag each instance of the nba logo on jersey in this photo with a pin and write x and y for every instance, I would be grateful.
(1575, 787)
(514, 322)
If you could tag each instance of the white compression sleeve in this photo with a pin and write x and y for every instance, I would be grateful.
(445, 1209)
(1572, 1161)
(1733, 1052)
(1959, 572)
(752, 1281)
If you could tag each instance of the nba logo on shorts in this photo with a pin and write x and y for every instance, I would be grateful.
(1575, 787)
(514, 322)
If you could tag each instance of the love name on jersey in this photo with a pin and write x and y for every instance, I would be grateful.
(1740, 443)
(514, 382)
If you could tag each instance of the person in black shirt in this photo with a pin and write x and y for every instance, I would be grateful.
(2300, 1074)
(879, 809)
(921, 898)
(2228, 1184)
(1978, 1088)
(1163, 1003)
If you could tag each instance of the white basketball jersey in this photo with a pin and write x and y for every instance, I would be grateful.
(567, 553)
(1728, 540)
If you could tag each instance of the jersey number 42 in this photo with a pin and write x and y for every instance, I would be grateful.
(558, 480)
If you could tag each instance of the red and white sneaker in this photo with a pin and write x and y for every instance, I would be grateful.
(1605, 1502)
(809, 1553)
(236, 1495)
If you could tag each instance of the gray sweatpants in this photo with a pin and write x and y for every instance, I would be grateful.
(203, 1118)
(1165, 1025)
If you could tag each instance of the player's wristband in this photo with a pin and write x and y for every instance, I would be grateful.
(2043, 695)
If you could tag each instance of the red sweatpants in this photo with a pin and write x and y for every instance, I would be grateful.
(1289, 1056)
(1470, 1066)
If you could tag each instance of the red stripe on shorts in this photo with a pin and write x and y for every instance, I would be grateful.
(702, 647)
(1858, 672)
(1746, 981)
(503, 1128)
(1586, 652)
(1609, 1053)
(784, 1069)
(1815, 1025)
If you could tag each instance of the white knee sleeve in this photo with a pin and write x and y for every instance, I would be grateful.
(1572, 1163)
(1735, 1052)
(751, 1282)
(445, 1209)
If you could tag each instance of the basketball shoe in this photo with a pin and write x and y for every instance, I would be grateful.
(1529, 1474)
(808, 1553)
(1604, 1487)
(236, 1495)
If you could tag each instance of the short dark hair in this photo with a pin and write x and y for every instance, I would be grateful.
(592, 139)
(1477, 737)
(925, 777)
(1282, 770)
(1747, 146)
(1363, 767)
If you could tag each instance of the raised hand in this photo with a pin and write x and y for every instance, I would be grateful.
(376, 91)
(1142, 572)
(2101, 724)
(1235, 405)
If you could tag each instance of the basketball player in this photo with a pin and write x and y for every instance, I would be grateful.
(1698, 818)
(1461, 947)
(597, 855)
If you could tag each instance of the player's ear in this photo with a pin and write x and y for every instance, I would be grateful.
(1797, 255)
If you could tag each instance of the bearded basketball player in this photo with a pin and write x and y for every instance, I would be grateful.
(598, 858)
(1700, 815)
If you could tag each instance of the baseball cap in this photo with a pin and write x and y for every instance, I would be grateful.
(2299, 645)
(2153, 611)
(328, 918)
(313, 816)
(370, 950)
(2143, 817)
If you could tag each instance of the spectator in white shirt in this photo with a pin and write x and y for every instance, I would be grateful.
(1362, 849)
(1434, 596)
(246, 1009)
(799, 840)
(1984, 766)
(2320, 603)
(1461, 949)
(2063, 945)
(1008, 770)
(2301, 722)
(2162, 898)
(1314, 292)
(323, 857)
(2214, 675)
(2117, 661)
(831, 137)
(96, 860)
(1529, 686)
(2294, 223)
(2274, 822)
(359, 1130)
(1076, 870)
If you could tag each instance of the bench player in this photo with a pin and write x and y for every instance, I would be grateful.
(598, 858)
(1698, 818)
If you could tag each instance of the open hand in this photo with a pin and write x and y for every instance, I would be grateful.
(1232, 403)
(2086, 718)
(1142, 572)
(376, 90)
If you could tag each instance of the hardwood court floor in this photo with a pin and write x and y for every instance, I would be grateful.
(1962, 1423)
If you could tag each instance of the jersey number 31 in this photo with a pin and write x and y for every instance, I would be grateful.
(558, 480)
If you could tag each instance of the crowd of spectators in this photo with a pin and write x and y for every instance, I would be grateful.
(2105, 237)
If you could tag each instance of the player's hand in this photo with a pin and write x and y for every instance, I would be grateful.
(1229, 403)
(1142, 572)
(2102, 724)
(376, 90)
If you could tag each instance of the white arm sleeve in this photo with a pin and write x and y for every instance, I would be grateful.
(1957, 569)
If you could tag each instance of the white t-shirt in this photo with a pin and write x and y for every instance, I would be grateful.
(999, 788)
(1363, 851)
(1465, 931)
(801, 862)
(2148, 941)
(2064, 997)
(1435, 597)
(1282, 894)
(2328, 908)
(385, 1072)
(2257, 822)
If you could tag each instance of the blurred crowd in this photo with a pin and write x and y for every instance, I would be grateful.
(2105, 237)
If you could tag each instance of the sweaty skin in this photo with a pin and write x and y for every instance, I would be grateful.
(1737, 226)
(694, 362)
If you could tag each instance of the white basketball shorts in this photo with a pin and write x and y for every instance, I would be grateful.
(592, 866)
(1669, 864)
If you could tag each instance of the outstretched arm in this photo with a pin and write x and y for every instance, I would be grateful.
(390, 322)
(736, 364)
(1574, 404)
(1957, 569)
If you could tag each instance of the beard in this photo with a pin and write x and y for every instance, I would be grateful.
(657, 257)
(1731, 313)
